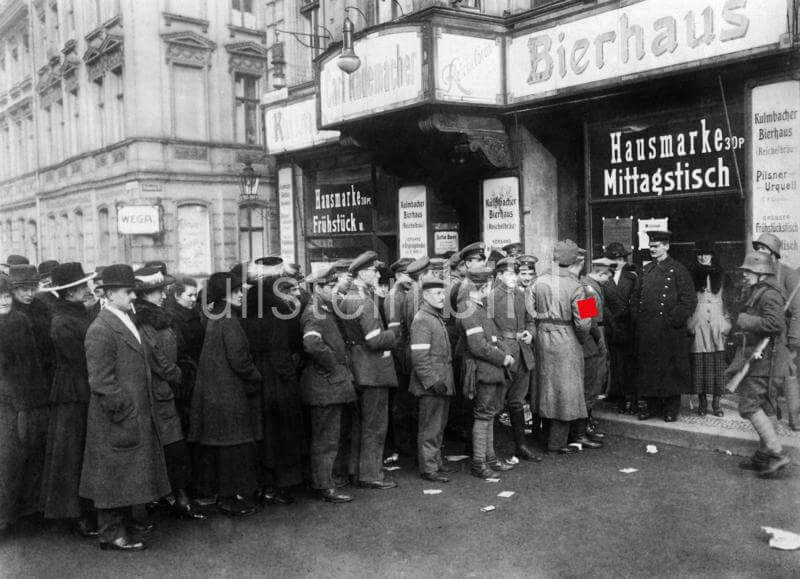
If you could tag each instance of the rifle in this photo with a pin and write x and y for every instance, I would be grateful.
(736, 379)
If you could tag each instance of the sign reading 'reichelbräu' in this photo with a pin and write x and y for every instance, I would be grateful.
(610, 45)
(693, 154)
(390, 76)
(340, 209)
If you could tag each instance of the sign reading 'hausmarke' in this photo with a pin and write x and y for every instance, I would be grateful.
(640, 37)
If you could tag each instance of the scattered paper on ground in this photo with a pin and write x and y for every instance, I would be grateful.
(506, 494)
(394, 457)
(628, 470)
(651, 449)
(432, 491)
(780, 539)
(456, 457)
(513, 460)
(492, 480)
(487, 508)
(391, 468)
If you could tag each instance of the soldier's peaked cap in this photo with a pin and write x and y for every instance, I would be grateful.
(527, 260)
(363, 261)
(662, 235)
(478, 248)
(479, 276)
(418, 265)
(507, 264)
(401, 265)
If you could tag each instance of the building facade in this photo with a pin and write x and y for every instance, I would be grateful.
(124, 127)
(534, 121)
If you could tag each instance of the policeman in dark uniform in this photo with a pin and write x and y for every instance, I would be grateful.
(371, 348)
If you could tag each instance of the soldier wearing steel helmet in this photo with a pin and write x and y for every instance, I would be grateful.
(762, 318)
(787, 279)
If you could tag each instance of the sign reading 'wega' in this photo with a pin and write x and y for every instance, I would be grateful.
(640, 37)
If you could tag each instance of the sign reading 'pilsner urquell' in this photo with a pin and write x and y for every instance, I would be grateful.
(639, 37)
(390, 76)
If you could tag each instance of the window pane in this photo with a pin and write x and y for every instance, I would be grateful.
(244, 217)
(256, 218)
(190, 103)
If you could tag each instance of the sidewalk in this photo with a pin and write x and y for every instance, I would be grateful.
(729, 433)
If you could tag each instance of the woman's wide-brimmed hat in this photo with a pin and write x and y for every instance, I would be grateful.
(151, 278)
(67, 275)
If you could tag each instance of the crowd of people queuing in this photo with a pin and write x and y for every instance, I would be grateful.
(124, 387)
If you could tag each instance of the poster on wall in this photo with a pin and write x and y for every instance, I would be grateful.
(286, 213)
(194, 240)
(340, 209)
(775, 165)
(618, 230)
(445, 241)
(412, 218)
(501, 211)
(654, 224)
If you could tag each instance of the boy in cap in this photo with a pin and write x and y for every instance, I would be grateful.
(763, 318)
(788, 279)
(373, 368)
(432, 378)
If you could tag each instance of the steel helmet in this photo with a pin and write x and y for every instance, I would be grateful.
(770, 241)
(758, 263)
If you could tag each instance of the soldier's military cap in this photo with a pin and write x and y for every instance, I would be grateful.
(758, 262)
(661, 235)
(401, 265)
(512, 249)
(454, 259)
(770, 241)
(324, 276)
(567, 253)
(479, 276)
(419, 265)
(615, 249)
(527, 261)
(437, 263)
(365, 260)
(507, 264)
(432, 282)
(473, 249)
(341, 265)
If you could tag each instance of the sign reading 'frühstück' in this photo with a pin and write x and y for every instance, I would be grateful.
(689, 155)
(638, 37)
(340, 209)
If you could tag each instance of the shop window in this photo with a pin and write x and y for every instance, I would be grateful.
(189, 96)
(252, 232)
(194, 239)
(243, 13)
(247, 105)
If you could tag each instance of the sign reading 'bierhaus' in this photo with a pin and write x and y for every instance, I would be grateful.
(501, 214)
(688, 155)
(340, 209)
(638, 37)
(390, 76)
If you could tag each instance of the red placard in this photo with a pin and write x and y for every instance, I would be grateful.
(587, 308)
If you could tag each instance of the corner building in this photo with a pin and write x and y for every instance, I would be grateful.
(533, 121)
(124, 126)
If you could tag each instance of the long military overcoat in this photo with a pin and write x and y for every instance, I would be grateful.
(123, 462)
(431, 359)
(665, 301)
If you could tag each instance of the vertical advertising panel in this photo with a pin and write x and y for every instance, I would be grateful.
(775, 165)
(286, 213)
(501, 211)
(194, 240)
(412, 217)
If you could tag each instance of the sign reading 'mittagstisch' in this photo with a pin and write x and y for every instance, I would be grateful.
(615, 44)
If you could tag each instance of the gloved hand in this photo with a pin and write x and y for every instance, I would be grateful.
(439, 388)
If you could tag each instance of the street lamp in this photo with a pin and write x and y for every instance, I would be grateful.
(348, 61)
(248, 182)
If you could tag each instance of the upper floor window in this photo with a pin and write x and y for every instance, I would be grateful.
(243, 13)
(247, 103)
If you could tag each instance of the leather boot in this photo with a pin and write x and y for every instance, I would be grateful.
(766, 432)
(702, 406)
(523, 451)
(759, 461)
(183, 508)
(775, 464)
(480, 435)
(579, 435)
(715, 406)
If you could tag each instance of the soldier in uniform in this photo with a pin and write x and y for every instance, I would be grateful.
(515, 325)
(373, 370)
(763, 318)
(483, 362)
(514, 249)
(326, 384)
(431, 379)
(662, 307)
(343, 276)
(619, 290)
(559, 334)
(402, 406)
(787, 279)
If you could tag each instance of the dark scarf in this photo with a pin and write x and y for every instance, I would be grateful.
(701, 272)
(148, 314)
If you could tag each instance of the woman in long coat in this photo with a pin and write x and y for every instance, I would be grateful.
(23, 413)
(69, 402)
(226, 415)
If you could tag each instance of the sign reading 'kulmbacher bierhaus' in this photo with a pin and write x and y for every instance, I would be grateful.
(340, 209)
(693, 154)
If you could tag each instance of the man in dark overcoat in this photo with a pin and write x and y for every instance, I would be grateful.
(373, 368)
(619, 290)
(123, 461)
(326, 384)
(664, 303)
